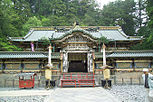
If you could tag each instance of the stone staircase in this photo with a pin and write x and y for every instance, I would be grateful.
(77, 76)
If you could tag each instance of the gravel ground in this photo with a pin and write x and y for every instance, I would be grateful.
(23, 95)
(22, 99)
(129, 93)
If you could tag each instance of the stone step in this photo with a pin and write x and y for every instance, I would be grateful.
(77, 85)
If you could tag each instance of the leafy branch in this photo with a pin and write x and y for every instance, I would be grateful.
(102, 40)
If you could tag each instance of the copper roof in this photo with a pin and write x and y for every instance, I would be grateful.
(112, 33)
(56, 55)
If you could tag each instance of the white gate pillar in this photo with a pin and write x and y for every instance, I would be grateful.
(90, 61)
(65, 61)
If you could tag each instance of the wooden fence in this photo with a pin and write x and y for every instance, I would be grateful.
(121, 81)
(130, 81)
(14, 83)
(40, 83)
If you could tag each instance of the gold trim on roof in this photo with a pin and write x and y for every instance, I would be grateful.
(43, 28)
(123, 60)
(142, 60)
(31, 61)
(70, 27)
(12, 62)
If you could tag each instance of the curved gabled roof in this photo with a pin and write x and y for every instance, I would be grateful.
(111, 33)
(76, 29)
(56, 55)
(27, 54)
(126, 54)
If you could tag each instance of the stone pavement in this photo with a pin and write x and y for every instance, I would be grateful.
(97, 94)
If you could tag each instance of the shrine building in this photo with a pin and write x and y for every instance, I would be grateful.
(75, 49)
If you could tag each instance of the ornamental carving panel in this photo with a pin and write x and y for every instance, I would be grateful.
(77, 42)
(77, 38)
(31, 66)
(12, 66)
(76, 47)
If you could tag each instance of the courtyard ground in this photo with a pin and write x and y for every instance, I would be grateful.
(118, 93)
(97, 94)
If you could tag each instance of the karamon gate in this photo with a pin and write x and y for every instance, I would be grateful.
(78, 53)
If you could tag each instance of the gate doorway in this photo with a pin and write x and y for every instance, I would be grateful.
(77, 62)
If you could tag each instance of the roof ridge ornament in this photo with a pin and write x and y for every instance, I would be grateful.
(75, 23)
(76, 26)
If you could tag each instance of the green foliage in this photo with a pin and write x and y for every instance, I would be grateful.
(5, 45)
(32, 22)
(147, 30)
(8, 25)
(150, 12)
(44, 41)
(102, 40)
(119, 13)
(150, 23)
(147, 42)
(57, 21)
(46, 22)
(144, 31)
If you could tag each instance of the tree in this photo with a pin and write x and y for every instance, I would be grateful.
(147, 30)
(150, 23)
(44, 41)
(8, 22)
(32, 22)
(46, 22)
(102, 40)
(150, 12)
(119, 13)
(7, 46)
(141, 16)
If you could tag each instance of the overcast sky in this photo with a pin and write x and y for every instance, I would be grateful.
(103, 2)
